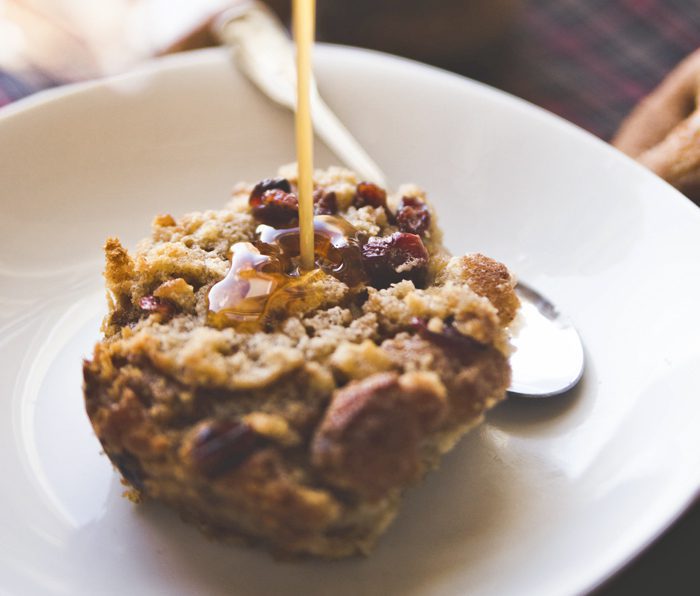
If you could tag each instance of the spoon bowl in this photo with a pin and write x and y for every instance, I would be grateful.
(548, 355)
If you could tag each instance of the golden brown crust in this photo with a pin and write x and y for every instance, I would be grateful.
(487, 278)
(663, 131)
(301, 436)
(475, 379)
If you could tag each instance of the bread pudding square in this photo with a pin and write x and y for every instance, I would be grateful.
(292, 409)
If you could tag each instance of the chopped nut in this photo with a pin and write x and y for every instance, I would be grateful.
(357, 361)
(273, 427)
(177, 291)
(222, 445)
(436, 325)
(164, 221)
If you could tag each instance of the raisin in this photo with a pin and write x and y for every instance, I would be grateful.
(153, 304)
(413, 216)
(370, 194)
(325, 203)
(392, 258)
(450, 339)
(223, 445)
(269, 184)
(275, 207)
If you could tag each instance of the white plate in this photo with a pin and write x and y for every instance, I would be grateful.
(547, 497)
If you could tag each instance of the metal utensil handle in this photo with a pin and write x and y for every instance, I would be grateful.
(264, 53)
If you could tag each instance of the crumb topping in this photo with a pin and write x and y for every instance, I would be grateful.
(309, 426)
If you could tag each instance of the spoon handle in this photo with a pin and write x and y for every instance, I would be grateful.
(264, 53)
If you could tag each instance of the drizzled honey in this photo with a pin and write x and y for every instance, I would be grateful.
(304, 21)
(241, 297)
(266, 278)
(279, 272)
(336, 246)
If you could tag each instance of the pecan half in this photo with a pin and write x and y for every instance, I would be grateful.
(368, 441)
(222, 445)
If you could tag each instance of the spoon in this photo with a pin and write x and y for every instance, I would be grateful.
(548, 358)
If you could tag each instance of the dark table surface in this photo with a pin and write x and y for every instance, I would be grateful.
(591, 62)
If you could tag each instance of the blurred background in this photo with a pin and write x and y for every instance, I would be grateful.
(589, 61)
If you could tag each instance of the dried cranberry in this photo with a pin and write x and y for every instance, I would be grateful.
(393, 258)
(154, 304)
(450, 339)
(325, 203)
(413, 216)
(223, 445)
(275, 207)
(269, 184)
(370, 194)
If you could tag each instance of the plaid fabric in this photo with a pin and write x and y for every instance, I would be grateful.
(14, 86)
(591, 61)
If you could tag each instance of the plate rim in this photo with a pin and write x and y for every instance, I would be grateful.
(157, 64)
(151, 67)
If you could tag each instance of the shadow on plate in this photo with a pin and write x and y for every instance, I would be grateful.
(447, 525)
(547, 416)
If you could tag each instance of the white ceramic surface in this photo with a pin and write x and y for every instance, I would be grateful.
(547, 497)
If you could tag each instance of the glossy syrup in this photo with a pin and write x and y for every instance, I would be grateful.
(277, 272)
(303, 25)
(266, 278)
